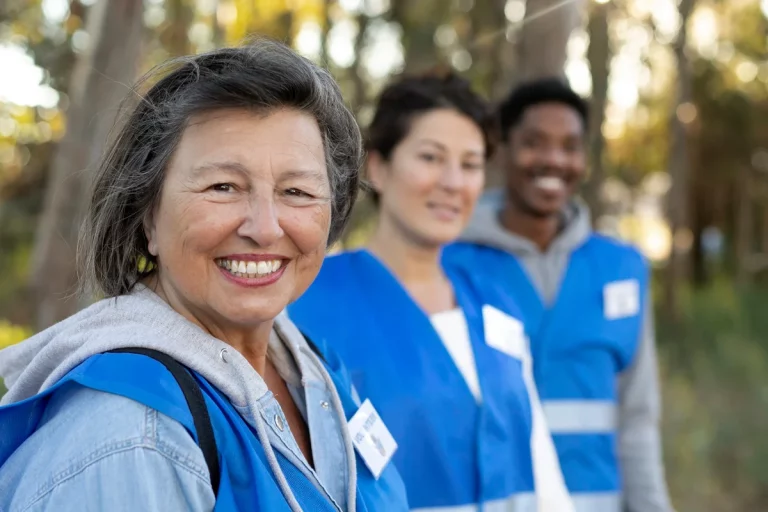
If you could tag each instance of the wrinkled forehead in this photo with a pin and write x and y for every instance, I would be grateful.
(242, 142)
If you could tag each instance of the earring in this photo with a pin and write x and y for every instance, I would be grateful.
(143, 265)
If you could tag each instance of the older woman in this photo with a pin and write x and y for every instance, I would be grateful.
(442, 354)
(211, 211)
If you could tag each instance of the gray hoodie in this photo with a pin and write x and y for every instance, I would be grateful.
(644, 487)
(143, 319)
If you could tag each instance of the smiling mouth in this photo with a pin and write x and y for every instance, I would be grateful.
(444, 209)
(549, 183)
(250, 269)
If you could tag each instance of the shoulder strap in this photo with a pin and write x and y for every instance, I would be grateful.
(196, 403)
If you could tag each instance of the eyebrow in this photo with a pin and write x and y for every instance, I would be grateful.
(228, 166)
(313, 174)
(442, 147)
(238, 168)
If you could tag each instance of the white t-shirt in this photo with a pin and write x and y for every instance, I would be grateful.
(452, 328)
(551, 492)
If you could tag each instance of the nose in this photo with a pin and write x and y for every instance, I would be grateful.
(452, 177)
(261, 222)
(554, 157)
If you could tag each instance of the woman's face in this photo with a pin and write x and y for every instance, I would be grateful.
(242, 223)
(433, 178)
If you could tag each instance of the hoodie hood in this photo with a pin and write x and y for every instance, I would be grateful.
(139, 319)
(485, 228)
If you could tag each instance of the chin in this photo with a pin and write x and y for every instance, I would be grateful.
(440, 237)
(543, 208)
(256, 313)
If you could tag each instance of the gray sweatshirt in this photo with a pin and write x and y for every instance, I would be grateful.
(644, 486)
(118, 440)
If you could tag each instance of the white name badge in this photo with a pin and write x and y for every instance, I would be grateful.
(371, 438)
(621, 299)
(504, 333)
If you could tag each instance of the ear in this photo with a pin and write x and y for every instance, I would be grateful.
(151, 233)
(378, 170)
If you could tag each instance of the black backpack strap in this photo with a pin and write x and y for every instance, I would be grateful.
(196, 403)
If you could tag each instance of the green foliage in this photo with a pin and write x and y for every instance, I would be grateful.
(715, 377)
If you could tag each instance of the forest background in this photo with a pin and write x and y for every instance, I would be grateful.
(678, 149)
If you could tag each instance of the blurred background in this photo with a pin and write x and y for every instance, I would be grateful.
(678, 146)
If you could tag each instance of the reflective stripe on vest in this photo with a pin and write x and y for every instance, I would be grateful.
(597, 501)
(523, 502)
(581, 416)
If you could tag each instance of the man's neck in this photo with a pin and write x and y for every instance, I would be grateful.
(539, 230)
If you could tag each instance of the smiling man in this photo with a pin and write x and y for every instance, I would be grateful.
(584, 299)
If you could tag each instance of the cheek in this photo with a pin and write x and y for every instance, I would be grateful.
(579, 163)
(416, 182)
(474, 187)
(308, 228)
(525, 159)
(196, 226)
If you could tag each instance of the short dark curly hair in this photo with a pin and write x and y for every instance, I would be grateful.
(413, 95)
(534, 92)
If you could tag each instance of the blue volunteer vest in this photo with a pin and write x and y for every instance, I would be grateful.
(247, 482)
(580, 345)
(452, 453)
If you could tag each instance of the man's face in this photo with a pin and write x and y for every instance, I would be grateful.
(545, 158)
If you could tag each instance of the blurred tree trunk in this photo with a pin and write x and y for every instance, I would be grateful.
(180, 18)
(599, 57)
(327, 22)
(219, 35)
(701, 218)
(419, 21)
(678, 265)
(485, 35)
(99, 80)
(360, 97)
(544, 37)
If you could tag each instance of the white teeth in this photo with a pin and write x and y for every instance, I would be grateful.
(250, 269)
(550, 183)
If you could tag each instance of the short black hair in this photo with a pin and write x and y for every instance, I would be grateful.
(413, 95)
(534, 92)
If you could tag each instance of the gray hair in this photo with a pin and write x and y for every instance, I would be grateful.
(262, 76)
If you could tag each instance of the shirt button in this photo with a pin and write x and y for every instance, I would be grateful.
(223, 354)
(324, 404)
(279, 423)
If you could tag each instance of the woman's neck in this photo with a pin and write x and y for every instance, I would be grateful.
(252, 343)
(416, 266)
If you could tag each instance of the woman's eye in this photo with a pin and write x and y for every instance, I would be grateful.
(222, 187)
(473, 166)
(295, 192)
(428, 157)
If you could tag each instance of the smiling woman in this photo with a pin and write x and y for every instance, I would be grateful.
(444, 356)
(211, 212)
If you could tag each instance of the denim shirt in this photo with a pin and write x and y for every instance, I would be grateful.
(88, 440)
